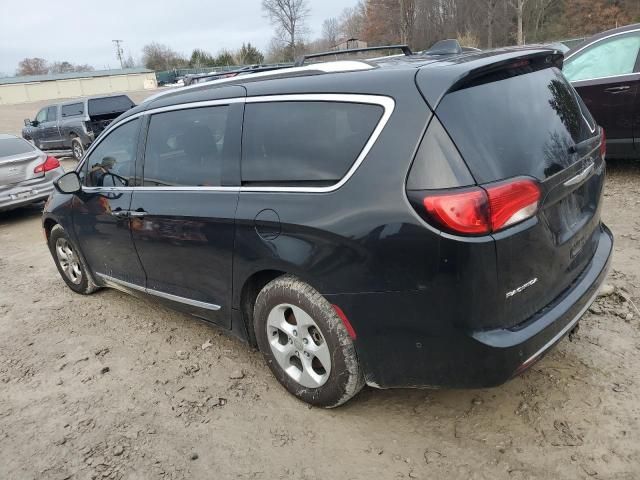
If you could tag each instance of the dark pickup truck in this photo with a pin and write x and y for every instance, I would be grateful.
(74, 124)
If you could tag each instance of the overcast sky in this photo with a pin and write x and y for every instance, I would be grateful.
(81, 32)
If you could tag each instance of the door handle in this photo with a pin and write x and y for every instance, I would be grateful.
(139, 213)
(118, 212)
(617, 89)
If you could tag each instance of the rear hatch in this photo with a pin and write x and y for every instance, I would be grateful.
(18, 160)
(103, 110)
(525, 122)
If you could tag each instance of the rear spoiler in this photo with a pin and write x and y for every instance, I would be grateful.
(334, 53)
(455, 73)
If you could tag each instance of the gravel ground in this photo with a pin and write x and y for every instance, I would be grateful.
(111, 386)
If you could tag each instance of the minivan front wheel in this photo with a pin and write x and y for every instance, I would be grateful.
(69, 262)
(305, 344)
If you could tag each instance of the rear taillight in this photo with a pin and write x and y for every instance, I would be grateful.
(49, 164)
(512, 202)
(483, 210)
(460, 212)
(603, 143)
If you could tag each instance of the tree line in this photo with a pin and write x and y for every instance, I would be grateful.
(39, 66)
(420, 23)
(155, 56)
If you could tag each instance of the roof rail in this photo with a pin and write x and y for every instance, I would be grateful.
(327, 67)
(405, 50)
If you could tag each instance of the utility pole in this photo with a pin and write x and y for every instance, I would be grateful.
(119, 51)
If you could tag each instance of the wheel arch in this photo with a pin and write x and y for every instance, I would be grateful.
(248, 295)
(48, 225)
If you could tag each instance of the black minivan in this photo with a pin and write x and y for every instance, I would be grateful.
(408, 221)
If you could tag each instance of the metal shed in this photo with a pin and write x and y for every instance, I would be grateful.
(77, 84)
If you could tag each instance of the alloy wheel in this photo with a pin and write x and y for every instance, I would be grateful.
(77, 150)
(68, 260)
(298, 346)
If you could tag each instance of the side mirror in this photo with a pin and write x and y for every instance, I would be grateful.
(68, 183)
(27, 122)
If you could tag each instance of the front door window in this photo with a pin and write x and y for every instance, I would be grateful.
(112, 162)
(606, 58)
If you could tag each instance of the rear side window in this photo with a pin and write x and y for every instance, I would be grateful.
(14, 146)
(72, 110)
(107, 105)
(186, 147)
(523, 125)
(314, 143)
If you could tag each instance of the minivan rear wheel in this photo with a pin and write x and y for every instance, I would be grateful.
(70, 263)
(77, 149)
(305, 344)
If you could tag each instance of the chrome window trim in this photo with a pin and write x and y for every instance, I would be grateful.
(156, 189)
(603, 78)
(115, 283)
(598, 41)
(387, 103)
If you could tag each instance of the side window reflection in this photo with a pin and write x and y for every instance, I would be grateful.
(112, 163)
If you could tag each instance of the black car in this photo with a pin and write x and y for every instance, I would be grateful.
(605, 70)
(74, 124)
(413, 221)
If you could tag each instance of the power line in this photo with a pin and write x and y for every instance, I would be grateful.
(119, 51)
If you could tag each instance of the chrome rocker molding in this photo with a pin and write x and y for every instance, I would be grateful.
(387, 103)
(122, 286)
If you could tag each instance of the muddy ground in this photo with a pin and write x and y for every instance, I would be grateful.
(110, 386)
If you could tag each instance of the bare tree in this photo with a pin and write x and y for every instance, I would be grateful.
(129, 62)
(32, 66)
(156, 56)
(330, 31)
(288, 16)
(407, 20)
(491, 15)
(352, 21)
(519, 6)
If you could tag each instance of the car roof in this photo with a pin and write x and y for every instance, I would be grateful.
(601, 35)
(360, 75)
(86, 99)
(6, 136)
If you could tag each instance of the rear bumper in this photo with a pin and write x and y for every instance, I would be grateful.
(398, 347)
(26, 193)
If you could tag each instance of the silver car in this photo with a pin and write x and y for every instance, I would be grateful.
(26, 173)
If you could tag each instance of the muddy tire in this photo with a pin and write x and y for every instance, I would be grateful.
(70, 263)
(77, 149)
(305, 343)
